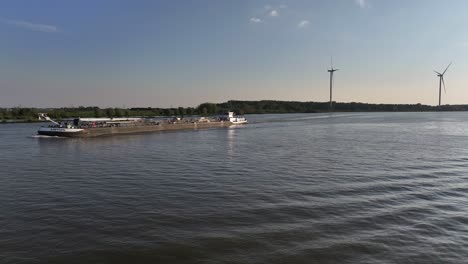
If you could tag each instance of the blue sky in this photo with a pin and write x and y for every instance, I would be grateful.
(171, 53)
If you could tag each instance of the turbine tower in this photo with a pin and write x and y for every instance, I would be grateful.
(441, 81)
(331, 71)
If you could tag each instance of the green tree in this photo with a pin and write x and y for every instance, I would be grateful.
(210, 108)
(118, 112)
(110, 112)
(97, 112)
(182, 111)
(168, 112)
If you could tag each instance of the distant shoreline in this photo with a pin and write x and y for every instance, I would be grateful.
(15, 121)
(27, 115)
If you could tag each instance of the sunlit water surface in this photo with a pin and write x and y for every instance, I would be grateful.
(303, 188)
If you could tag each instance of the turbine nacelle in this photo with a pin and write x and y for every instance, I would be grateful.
(442, 74)
(331, 66)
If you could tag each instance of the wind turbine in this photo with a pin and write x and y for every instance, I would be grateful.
(331, 71)
(441, 81)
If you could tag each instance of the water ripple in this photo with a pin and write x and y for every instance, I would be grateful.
(306, 188)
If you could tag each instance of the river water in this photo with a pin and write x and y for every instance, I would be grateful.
(302, 188)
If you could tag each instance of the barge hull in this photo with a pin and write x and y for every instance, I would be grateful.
(110, 131)
(60, 134)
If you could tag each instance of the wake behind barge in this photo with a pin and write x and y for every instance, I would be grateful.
(95, 127)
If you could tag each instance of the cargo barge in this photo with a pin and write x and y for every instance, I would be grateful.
(95, 127)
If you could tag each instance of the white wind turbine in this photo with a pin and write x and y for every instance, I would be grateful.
(441, 81)
(331, 71)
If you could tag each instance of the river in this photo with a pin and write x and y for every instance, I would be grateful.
(295, 188)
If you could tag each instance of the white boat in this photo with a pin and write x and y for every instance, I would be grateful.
(236, 120)
(57, 129)
(60, 131)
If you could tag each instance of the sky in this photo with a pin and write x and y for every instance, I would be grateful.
(149, 53)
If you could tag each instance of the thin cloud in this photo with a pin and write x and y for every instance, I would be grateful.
(33, 26)
(361, 3)
(303, 24)
(274, 13)
(283, 6)
(256, 20)
(463, 44)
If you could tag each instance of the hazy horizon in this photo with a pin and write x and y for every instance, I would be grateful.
(195, 106)
(178, 53)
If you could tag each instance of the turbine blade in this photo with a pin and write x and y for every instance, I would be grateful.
(445, 91)
(446, 68)
(331, 62)
(438, 72)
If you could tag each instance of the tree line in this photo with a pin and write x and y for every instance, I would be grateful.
(240, 107)
(31, 114)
